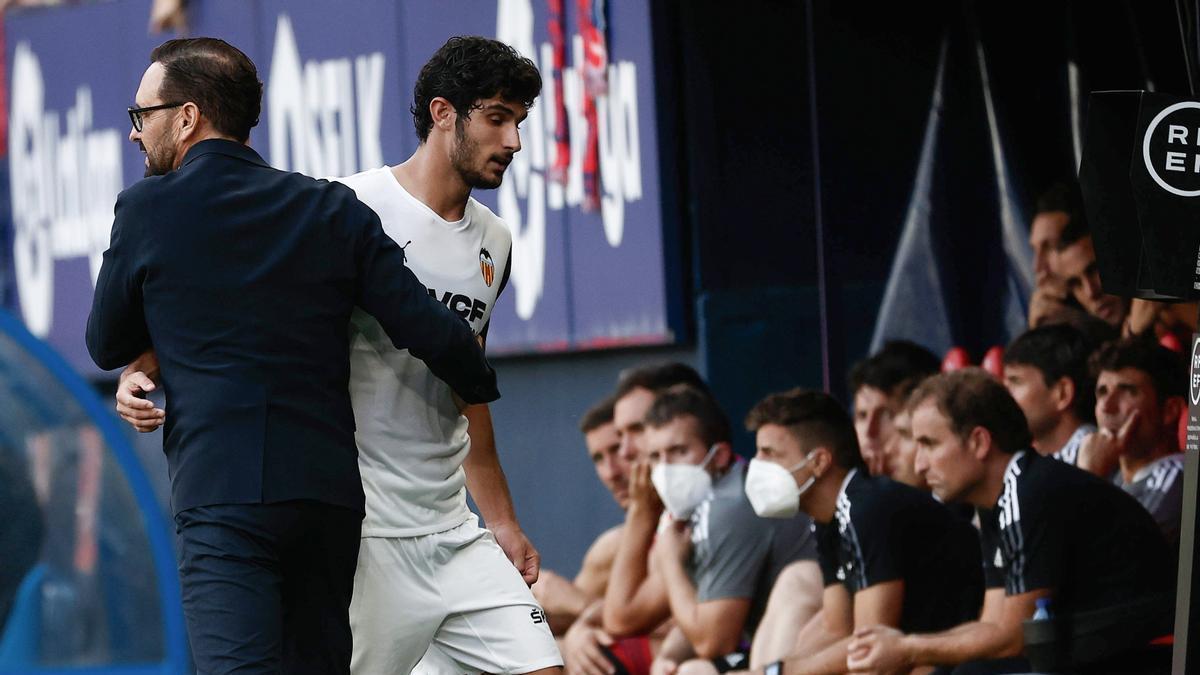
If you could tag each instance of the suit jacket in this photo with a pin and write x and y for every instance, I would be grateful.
(243, 277)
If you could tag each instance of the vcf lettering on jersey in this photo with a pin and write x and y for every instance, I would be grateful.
(471, 309)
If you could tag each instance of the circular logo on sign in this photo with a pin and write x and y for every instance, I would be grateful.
(1194, 374)
(1171, 149)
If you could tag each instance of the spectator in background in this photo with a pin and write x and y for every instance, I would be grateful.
(1075, 263)
(1046, 371)
(890, 554)
(164, 14)
(1140, 394)
(874, 381)
(1055, 209)
(169, 15)
(715, 558)
(1049, 529)
(565, 600)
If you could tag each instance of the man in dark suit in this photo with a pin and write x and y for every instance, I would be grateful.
(242, 278)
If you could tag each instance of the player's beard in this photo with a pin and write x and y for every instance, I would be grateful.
(160, 157)
(464, 155)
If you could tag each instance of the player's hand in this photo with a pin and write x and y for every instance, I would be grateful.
(876, 649)
(644, 501)
(132, 405)
(519, 550)
(581, 650)
(1045, 303)
(1101, 452)
(672, 544)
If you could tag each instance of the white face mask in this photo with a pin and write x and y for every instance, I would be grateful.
(682, 487)
(771, 489)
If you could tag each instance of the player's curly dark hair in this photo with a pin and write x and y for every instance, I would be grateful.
(468, 69)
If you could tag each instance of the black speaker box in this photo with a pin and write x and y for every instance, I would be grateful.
(1140, 179)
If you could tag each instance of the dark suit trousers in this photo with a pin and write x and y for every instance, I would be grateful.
(266, 587)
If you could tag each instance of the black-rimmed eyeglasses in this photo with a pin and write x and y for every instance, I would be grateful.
(135, 114)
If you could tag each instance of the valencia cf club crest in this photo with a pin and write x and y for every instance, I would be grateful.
(487, 266)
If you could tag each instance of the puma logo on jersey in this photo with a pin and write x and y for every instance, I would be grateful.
(468, 308)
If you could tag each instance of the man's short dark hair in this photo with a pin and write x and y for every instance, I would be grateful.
(657, 377)
(217, 77)
(905, 389)
(814, 418)
(1095, 330)
(971, 398)
(896, 362)
(598, 415)
(683, 400)
(1058, 351)
(1168, 370)
(469, 69)
(1064, 196)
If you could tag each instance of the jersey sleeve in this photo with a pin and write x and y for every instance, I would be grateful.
(1034, 534)
(989, 548)
(827, 551)
(877, 536)
(116, 327)
(503, 284)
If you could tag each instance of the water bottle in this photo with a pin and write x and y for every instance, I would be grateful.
(1042, 613)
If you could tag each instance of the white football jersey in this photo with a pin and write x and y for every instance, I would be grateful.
(411, 438)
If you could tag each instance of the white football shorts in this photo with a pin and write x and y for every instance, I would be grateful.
(454, 594)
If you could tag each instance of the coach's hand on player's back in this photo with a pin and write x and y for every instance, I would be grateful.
(136, 381)
(519, 550)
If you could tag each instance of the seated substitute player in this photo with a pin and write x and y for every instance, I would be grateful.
(891, 554)
(473, 610)
(565, 600)
(1046, 371)
(715, 558)
(874, 382)
(900, 453)
(1141, 390)
(1048, 529)
(636, 391)
(589, 646)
